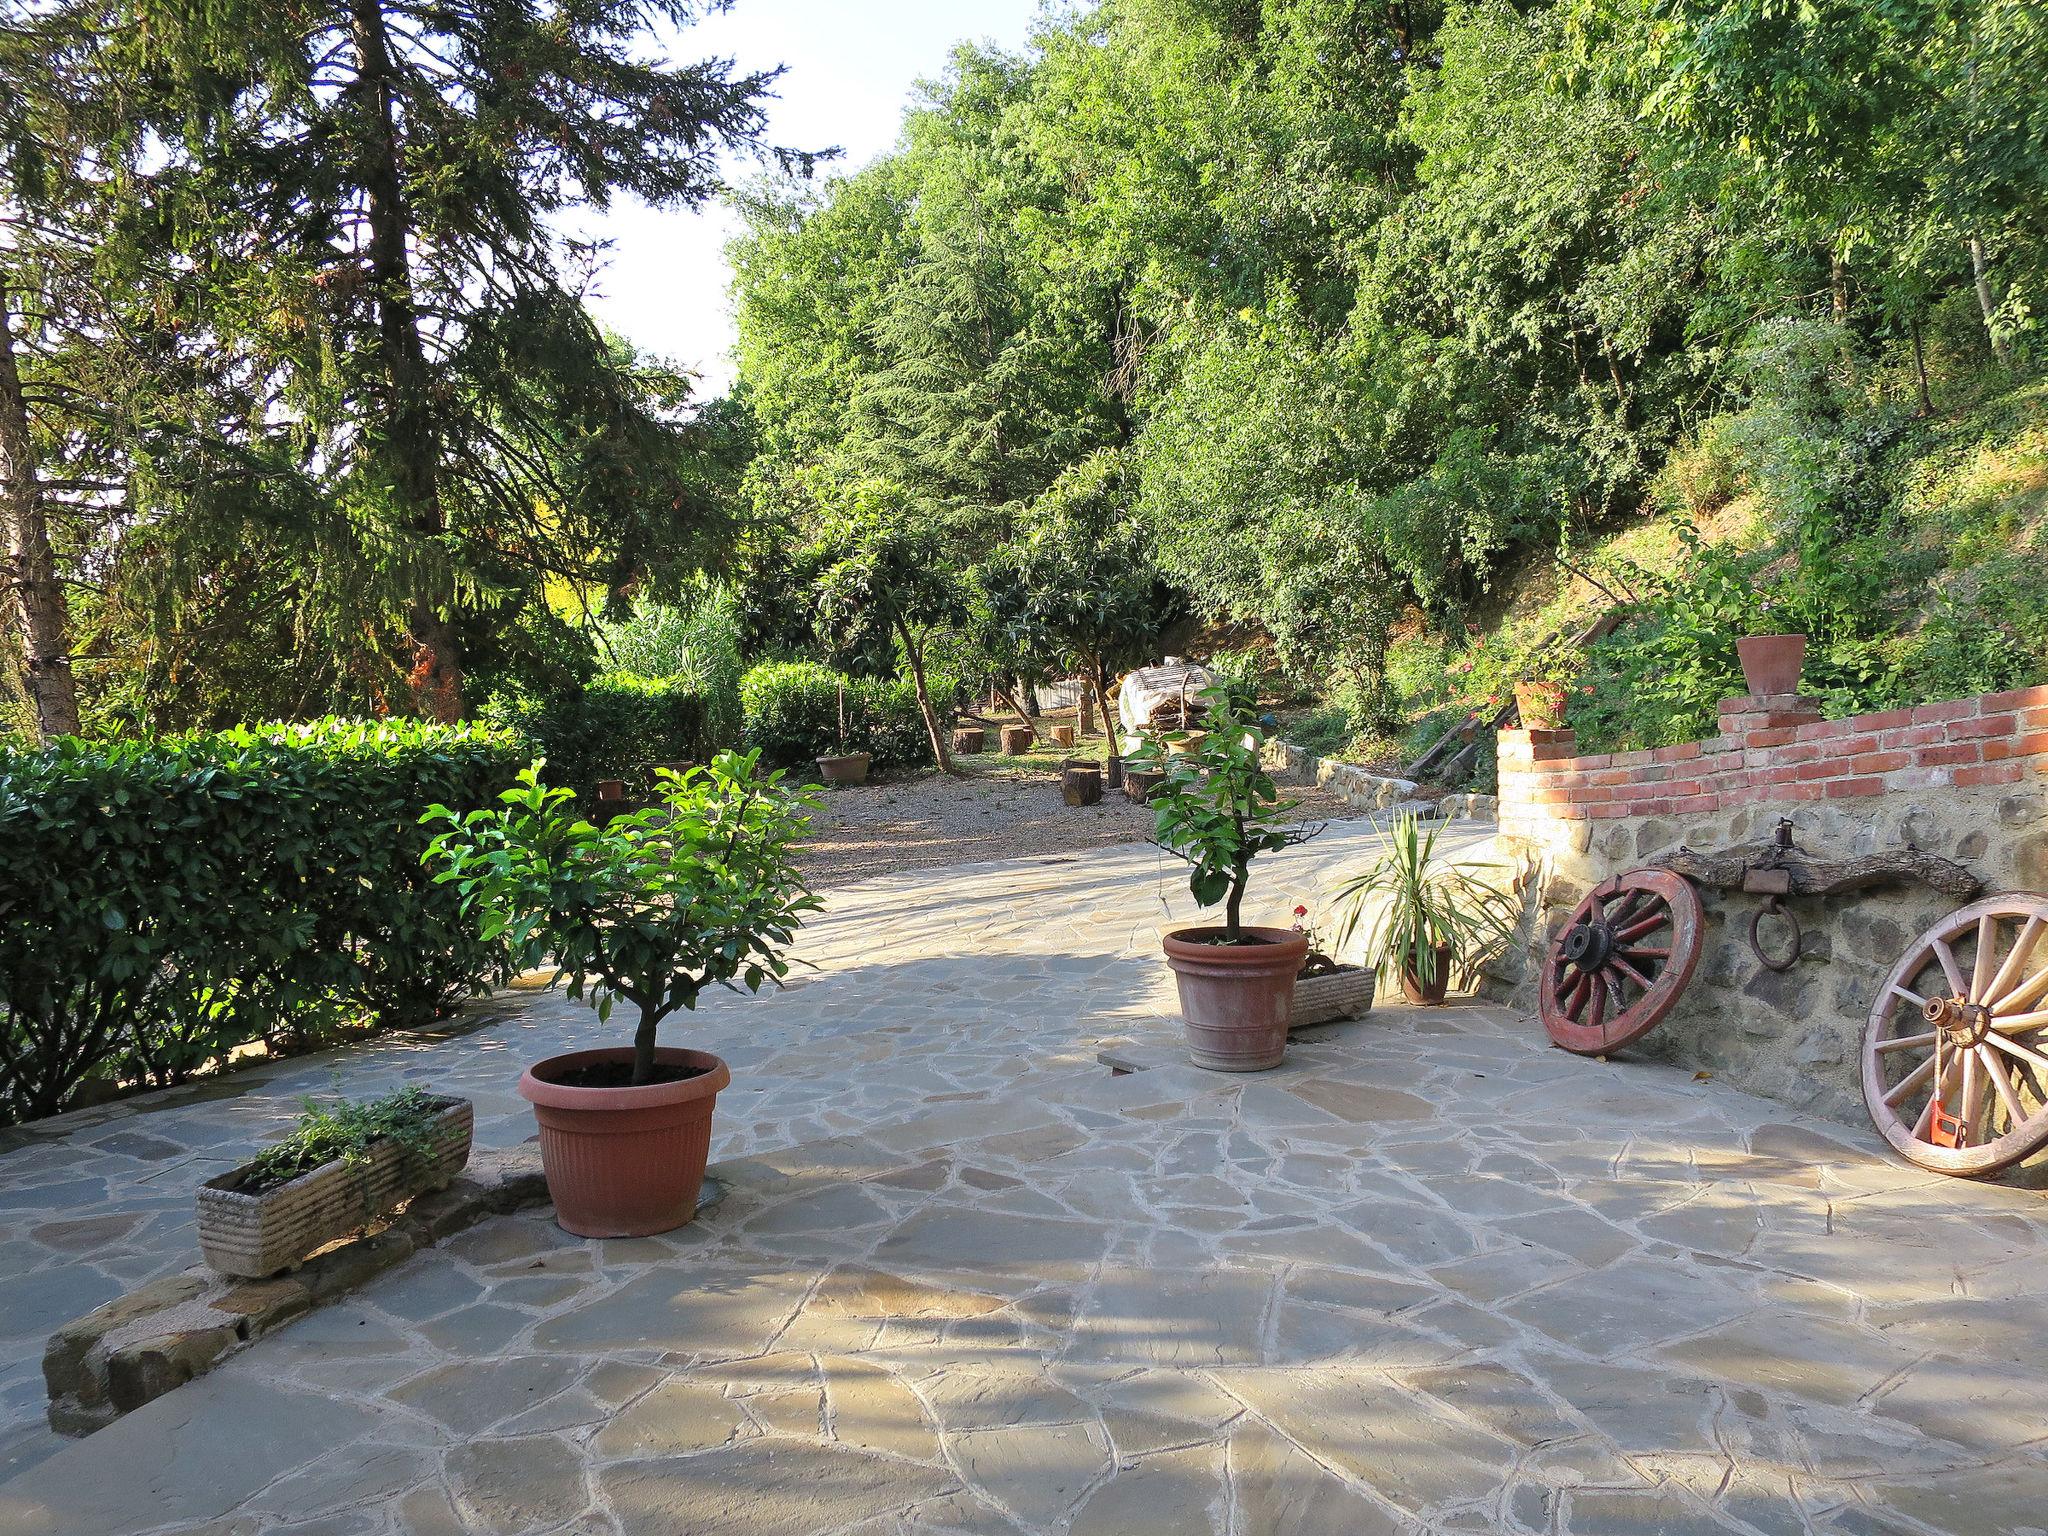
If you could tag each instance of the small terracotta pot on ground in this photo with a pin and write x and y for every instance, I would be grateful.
(969, 739)
(1236, 998)
(1771, 663)
(1017, 740)
(850, 769)
(1540, 704)
(624, 1162)
(1412, 986)
(611, 789)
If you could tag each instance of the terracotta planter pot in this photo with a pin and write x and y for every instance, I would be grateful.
(1017, 740)
(1540, 704)
(850, 769)
(1236, 999)
(624, 1162)
(254, 1235)
(969, 739)
(611, 789)
(1431, 995)
(1771, 663)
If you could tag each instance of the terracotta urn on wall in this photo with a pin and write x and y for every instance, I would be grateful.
(1771, 663)
(1540, 704)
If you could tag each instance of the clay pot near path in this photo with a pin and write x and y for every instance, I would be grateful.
(1432, 992)
(1771, 663)
(1236, 999)
(849, 769)
(624, 1161)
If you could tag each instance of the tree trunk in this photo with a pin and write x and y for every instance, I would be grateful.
(412, 443)
(1233, 908)
(1838, 286)
(643, 1044)
(1987, 304)
(39, 604)
(1920, 371)
(1028, 692)
(915, 652)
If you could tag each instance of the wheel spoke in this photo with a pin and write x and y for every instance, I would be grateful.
(1599, 1008)
(2026, 994)
(2014, 1048)
(1576, 1002)
(1650, 951)
(2016, 962)
(2020, 1023)
(1949, 968)
(1925, 1123)
(1634, 975)
(1641, 928)
(2016, 1113)
(1914, 998)
(1906, 1042)
(1987, 951)
(1907, 1084)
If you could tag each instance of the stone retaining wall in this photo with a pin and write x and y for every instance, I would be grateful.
(1962, 778)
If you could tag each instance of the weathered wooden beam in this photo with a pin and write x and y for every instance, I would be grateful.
(1725, 868)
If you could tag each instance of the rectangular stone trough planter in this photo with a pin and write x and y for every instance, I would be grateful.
(257, 1235)
(1340, 994)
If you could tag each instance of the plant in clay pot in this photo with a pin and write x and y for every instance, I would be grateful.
(1218, 809)
(700, 889)
(841, 766)
(1771, 664)
(1432, 916)
(1541, 691)
(1327, 989)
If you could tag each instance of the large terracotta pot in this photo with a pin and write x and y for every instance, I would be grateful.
(850, 769)
(1771, 663)
(624, 1162)
(1236, 998)
(1412, 986)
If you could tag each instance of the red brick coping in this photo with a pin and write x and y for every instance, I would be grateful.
(1776, 748)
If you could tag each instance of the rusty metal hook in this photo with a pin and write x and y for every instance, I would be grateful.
(1773, 907)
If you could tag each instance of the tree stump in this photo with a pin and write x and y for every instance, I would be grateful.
(1140, 782)
(1063, 735)
(1017, 740)
(1081, 783)
(969, 739)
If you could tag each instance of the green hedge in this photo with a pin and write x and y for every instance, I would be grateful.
(790, 710)
(165, 901)
(613, 727)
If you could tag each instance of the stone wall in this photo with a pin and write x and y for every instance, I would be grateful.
(1961, 778)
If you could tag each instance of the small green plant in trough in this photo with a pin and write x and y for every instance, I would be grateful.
(1218, 808)
(347, 1132)
(699, 889)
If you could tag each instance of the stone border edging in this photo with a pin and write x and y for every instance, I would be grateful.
(1373, 791)
(139, 1346)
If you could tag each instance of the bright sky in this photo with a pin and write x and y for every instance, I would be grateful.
(851, 69)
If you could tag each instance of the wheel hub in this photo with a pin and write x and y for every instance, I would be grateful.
(1966, 1024)
(1588, 945)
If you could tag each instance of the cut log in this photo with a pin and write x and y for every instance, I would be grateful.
(1081, 783)
(969, 739)
(1724, 869)
(1016, 740)
(1063, 735)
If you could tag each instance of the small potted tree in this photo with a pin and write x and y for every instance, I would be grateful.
(1218, 809)
(841, 766)
(700, 889)
(1432, 914)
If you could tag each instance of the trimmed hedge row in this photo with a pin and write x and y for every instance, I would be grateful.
(613, 727)
(163, 902)
(790, 710)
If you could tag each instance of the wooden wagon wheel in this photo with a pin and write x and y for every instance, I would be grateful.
(1619, 964)
(1955, 1058)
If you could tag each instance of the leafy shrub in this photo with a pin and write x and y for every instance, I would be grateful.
(697, 644)
(614, 726)
(792, 715)
(163, 901)
(348, 1132)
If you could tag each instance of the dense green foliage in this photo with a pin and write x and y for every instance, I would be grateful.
(1329, 316)
(616, 726)
(700, 890)
(166, 901)
(793, 714)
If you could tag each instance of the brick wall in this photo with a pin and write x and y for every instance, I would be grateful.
(1778, 749)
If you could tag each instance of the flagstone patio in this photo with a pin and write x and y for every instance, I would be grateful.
(1430, 1275)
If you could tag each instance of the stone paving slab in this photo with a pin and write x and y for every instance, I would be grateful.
(966, 1281)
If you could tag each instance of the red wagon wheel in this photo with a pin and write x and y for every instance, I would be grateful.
(1955, 1057)
(1619, 964)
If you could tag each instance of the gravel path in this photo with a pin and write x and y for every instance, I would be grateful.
(926, 820)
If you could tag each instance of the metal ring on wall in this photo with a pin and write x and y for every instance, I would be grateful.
(1774, 908)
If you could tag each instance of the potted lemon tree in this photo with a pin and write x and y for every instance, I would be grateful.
(699, 889)
(1218, 809)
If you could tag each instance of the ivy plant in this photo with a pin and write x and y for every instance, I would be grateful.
(1218, 808)
(699, 889)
